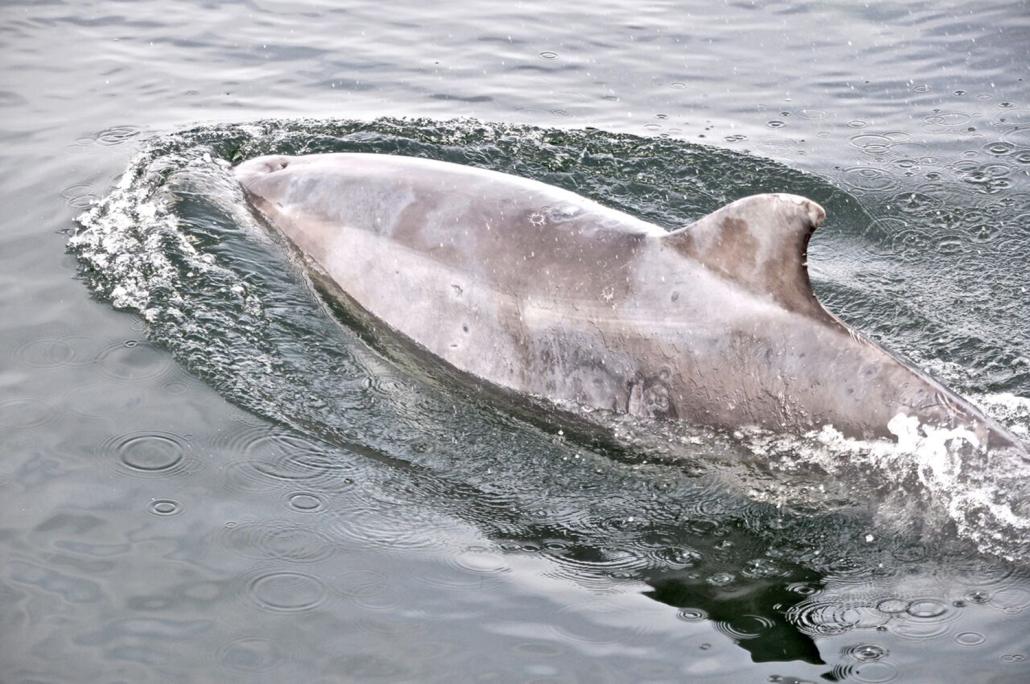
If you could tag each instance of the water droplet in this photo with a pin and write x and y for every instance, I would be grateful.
(165, 507)
(927, 609)
(866, 652)
(775, 123)
(802, 588)
(970, 638)
(692, 614)
(999, 148)
(720, 579)
(305, 501)
(892, 606)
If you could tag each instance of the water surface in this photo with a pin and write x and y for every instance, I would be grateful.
(207, 474)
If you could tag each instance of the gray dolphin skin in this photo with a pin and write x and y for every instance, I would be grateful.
(540, 291)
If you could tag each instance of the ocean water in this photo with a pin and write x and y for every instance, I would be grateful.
(207, 473)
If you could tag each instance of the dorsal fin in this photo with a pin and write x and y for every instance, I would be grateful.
(760, 243)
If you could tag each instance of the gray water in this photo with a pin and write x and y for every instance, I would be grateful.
(208, 474)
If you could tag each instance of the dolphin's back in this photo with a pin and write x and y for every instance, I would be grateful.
(462, 218)
(538, 290)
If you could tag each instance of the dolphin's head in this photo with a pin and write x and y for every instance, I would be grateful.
(264, 181)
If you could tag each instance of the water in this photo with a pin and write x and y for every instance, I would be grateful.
(208, 474)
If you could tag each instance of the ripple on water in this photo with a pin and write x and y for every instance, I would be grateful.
(865, 652)
(367, 589)
(999, 147)
(287, 592)
(948, 119)
(879, 234)
(20, 414)
(305, 502)
(133, 360)
(595, 566)
(922, 618)
(391, 526)
(913, 244)
(79, 196)
(984, 178)
(869, 179)
(481, 561)
(250, 654)
(1011, 600)
(116, 135)
(52, 352)
(692, 614)
(469, 569)
(816, 616)
(277, 541)
(970, 638)
(743, 627)
(165, 507)
(978, 571)
(874, 673)
(149, 453)
(873, 144)
(273, 458)
(923, 202)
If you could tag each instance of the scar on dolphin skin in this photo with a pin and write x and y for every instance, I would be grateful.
(730, 293)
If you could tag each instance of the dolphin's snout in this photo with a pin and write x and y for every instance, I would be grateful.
(262, 165)
(261, 180)
(258, 177)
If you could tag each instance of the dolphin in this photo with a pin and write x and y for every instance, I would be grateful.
(537, 290)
